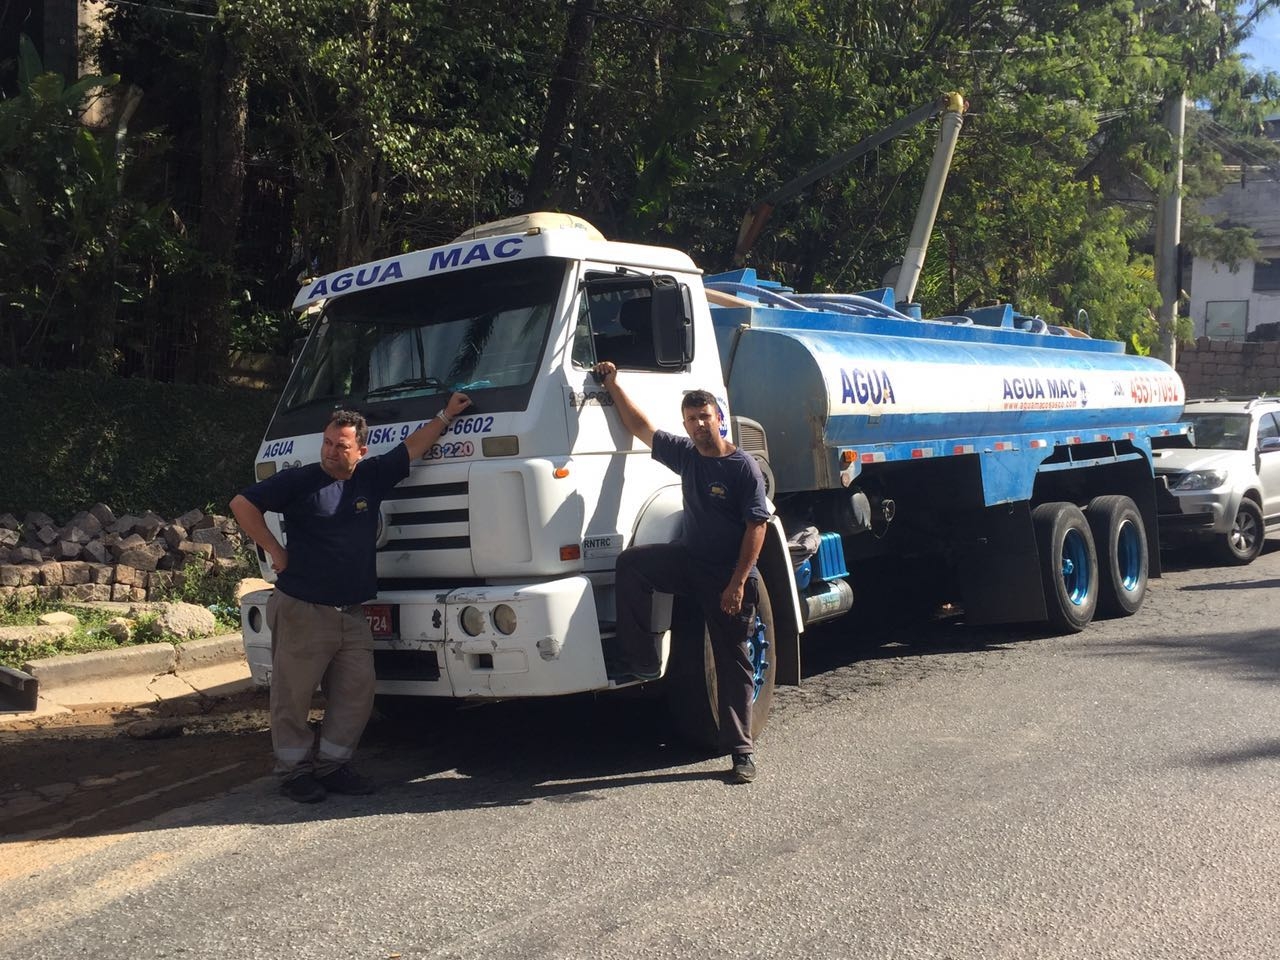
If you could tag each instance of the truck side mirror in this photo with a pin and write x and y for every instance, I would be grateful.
(672, 314)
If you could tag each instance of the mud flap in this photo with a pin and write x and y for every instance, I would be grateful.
(998, 566)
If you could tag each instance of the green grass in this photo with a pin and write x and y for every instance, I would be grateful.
(88, 636)
(214, 590)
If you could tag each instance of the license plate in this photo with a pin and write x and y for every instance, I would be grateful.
(381, 619)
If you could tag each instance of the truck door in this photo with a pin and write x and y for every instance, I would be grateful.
(614, 323)
(616, 475)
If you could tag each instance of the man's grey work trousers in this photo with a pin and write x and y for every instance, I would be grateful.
(313, 644)
(668, 568)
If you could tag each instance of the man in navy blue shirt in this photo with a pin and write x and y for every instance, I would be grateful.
(714, 561)
(318, 627)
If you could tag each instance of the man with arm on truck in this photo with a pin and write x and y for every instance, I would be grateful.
(725, 513)
(318, 628)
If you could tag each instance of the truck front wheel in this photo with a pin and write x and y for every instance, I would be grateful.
(1121, 542)
(692, 692)
(1068, 565)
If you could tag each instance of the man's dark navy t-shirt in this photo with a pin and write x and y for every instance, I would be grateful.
(721, 494)
(331, 526)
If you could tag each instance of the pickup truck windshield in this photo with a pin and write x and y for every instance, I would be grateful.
(468, 330)
(1220, 431)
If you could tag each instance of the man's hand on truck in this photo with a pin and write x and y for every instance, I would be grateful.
(422, 439)
(606, 373)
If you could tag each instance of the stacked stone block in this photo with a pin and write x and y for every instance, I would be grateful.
(1237, 368)
(98, 556)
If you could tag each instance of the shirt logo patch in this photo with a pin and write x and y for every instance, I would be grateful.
(362, 505)
(717, 490)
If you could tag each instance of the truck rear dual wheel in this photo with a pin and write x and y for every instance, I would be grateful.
(1068, 565)
(1121, 543)
(692, 691)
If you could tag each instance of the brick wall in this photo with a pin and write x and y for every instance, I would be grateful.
(1211, 368)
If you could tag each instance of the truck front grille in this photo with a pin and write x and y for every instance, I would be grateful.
(428, 516)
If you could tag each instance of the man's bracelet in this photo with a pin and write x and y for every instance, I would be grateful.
(444, 418)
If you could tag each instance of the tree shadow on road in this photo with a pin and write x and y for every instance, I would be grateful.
(1262, 750)
(1251, 655)
(516, 753)
(841, 643)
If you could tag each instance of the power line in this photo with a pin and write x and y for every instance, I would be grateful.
(159, 9)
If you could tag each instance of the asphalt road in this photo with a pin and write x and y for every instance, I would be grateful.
(943, 793)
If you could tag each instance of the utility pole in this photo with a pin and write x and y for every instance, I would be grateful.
(1169, 227)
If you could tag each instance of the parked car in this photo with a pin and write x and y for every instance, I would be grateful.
(1225, 489)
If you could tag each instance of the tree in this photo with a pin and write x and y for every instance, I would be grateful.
(74, 244)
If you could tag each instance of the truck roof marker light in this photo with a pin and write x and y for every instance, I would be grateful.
(1037, 444)
(1001, 446)
(500, 446)
(873, 458)
(1073, 439)
(560, 472)
(963, 448)
(1102, 437)
(920, 452)
(570, 551)
(848, 456)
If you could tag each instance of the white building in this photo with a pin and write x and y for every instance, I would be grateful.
(1227, 305)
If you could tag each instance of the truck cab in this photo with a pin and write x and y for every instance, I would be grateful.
(495, 557)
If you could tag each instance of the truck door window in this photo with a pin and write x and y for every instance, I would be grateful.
(615, 325)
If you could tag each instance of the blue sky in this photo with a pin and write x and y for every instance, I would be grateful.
(1264, 46)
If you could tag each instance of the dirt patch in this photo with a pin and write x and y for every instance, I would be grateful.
(85, 772)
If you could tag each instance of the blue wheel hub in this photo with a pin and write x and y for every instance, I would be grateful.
(1076, 575)
(757, 652)
(1129, 556)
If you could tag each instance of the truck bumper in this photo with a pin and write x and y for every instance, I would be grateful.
(553, 649)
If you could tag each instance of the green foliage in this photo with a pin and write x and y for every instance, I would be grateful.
(386, 126)
(88, 635)
(132, 444)
(74, 244)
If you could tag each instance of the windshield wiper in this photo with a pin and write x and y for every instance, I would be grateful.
(414, 383)
(335, 402)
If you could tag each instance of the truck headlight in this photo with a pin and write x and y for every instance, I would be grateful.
(472, 621)
(504, 618)
(1200, 480)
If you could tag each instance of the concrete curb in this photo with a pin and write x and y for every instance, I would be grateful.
(208, 651)
(150, 659)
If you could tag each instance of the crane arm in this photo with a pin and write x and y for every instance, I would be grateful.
(756, 218)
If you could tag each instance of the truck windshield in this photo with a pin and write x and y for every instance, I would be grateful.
(1220, 431)
(467, 330)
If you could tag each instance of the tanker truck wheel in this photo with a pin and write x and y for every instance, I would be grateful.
(1068, 565)
(1121, 542)
(692, 693)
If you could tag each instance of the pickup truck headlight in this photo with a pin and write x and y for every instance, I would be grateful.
(1200, 480)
